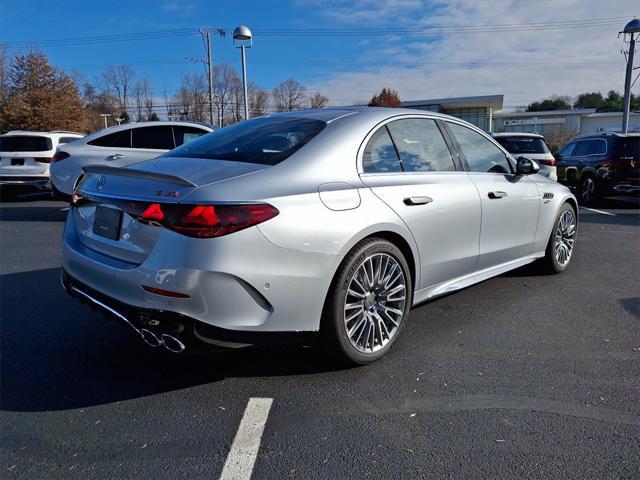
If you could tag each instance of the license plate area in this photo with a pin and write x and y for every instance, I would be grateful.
(17, 162)
(107, 222)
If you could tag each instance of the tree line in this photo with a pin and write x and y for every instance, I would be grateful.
(612, 102)
(35, 95)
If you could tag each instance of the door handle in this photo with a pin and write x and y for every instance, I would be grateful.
(496, 195)
(411, 201)
(115, 156)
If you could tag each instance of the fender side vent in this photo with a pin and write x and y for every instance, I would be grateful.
(547, 196)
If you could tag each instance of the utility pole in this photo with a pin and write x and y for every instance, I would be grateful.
(210, 75)
(630, 30)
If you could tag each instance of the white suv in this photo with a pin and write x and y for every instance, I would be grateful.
(530, 145)
(25, 156)
(119, 146)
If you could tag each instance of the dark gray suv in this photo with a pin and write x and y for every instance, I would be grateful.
(601, 165)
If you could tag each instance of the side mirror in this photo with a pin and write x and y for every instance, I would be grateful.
(526, 166)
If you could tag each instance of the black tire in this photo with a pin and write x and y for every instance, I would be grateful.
(589, 191)
(333, 327)
(550, 260)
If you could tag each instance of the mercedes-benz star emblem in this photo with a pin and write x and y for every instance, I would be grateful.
(101, 181)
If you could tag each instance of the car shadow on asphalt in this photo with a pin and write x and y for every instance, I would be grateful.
(57, 354)
(33, 214)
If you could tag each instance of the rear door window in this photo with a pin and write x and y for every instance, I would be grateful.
(598, 147)
(421, 146)
(121, 139)
(380, 156)
(186, 134)
(25, 143)
(582, 148)
(153, 138)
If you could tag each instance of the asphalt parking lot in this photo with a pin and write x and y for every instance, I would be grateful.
(523, 376)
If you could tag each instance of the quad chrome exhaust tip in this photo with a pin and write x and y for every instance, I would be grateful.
(152, 339)
(169, 342)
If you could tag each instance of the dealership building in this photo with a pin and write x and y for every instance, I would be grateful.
(486, 112)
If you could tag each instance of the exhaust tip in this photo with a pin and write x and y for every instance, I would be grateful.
(172, 344)
(150, 338)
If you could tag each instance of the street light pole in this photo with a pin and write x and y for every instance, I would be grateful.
(244, 82)
(243, 36)
(630, 29)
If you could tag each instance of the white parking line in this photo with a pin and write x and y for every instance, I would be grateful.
(244, 450)
(599, 211)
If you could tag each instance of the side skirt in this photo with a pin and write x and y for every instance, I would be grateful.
(472, 278)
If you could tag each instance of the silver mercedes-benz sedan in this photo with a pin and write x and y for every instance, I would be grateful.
(323, 224)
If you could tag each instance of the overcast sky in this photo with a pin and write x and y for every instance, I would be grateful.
(348, 50)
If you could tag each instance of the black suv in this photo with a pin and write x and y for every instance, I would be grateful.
(601, 164)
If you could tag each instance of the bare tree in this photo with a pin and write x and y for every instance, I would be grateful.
(317, 100)
(258, 100)
(192, 97)
(97, 103)
(4, 73)
(225, 85)
(289, 95)
(117, 81)
(142, 98)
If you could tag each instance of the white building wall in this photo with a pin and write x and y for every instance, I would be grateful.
(598, 123)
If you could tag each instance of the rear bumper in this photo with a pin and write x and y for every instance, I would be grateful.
(240, 282)
(196, 336)
(42, 182)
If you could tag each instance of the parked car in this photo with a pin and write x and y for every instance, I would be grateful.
(119, 146)
(334, 221)
(530, 145)
(25, 157)
(600, 165)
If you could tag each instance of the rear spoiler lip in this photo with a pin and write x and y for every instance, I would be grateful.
(130, 172)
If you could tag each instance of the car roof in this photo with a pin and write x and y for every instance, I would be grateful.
(607, 135)
(126, 126)
(516, 134)
(40, 134)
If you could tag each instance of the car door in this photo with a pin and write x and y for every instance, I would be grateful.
(566, 168)
(147, 142)
(578, 161)
(408, 165)
(510, 203)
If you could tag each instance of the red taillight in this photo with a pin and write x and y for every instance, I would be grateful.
(42, 159)
(549, 163)
(200, 221)
(59, 155)
(153, 212)
(208, 221)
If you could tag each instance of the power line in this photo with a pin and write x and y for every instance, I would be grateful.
(324, 32)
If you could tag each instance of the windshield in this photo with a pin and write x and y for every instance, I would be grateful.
(523, 144)
(266, 141)
(25, 143)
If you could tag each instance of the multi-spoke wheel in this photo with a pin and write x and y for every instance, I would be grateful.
(563, 239)
(588, 190)
(369, 302)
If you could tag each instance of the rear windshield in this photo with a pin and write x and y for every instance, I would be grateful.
(266, 141)
(523, 144)
(25, 143)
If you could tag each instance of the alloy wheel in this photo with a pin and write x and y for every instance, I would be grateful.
(588, 189)
(565, 237)
(375, 302)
